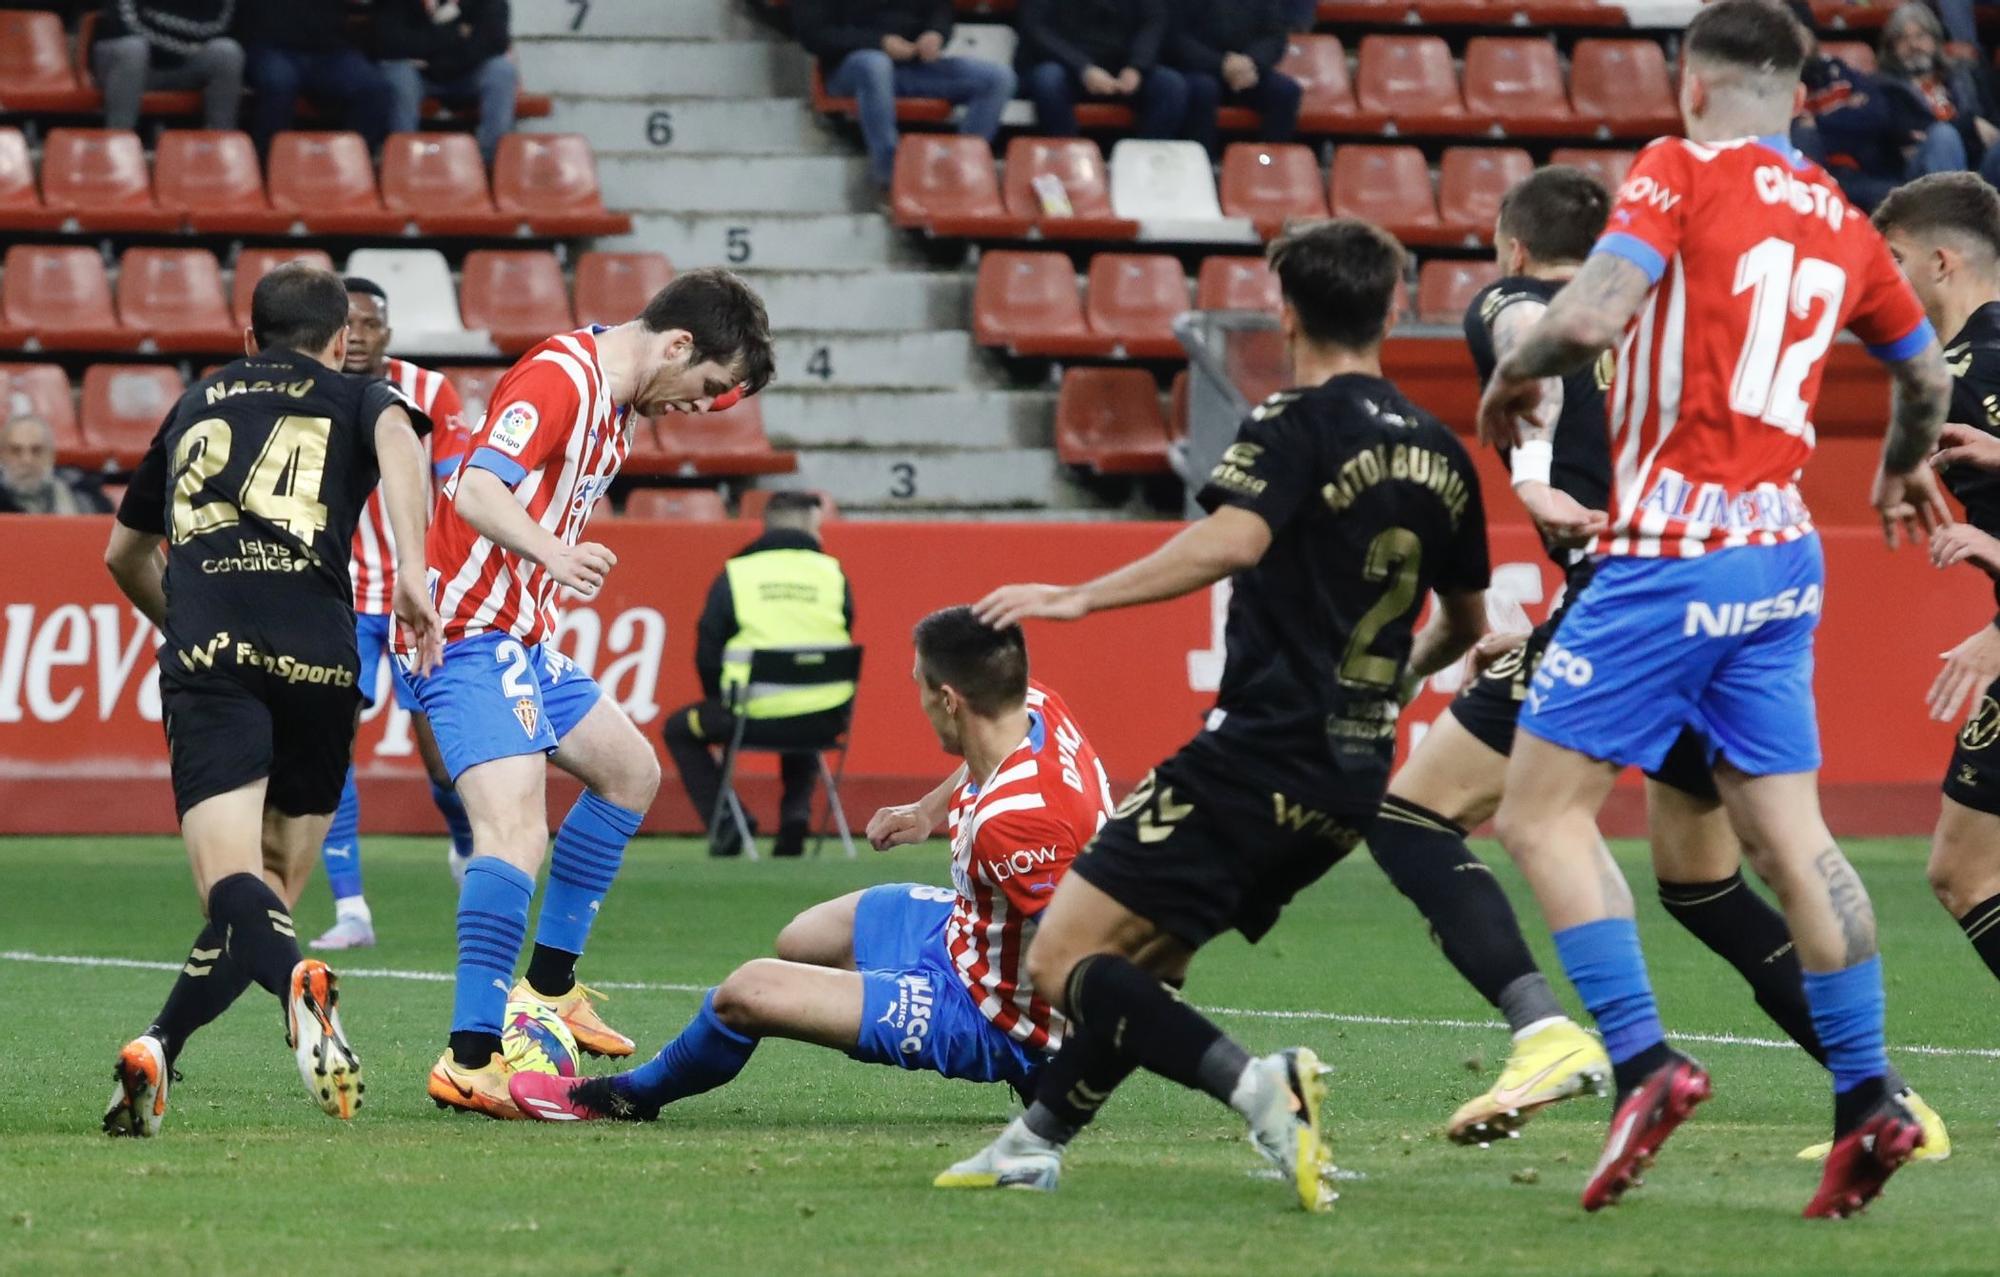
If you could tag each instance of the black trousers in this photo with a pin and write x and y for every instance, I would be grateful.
(696, 733)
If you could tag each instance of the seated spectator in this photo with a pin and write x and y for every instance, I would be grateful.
(1103, 50)
(168, 44)
(1941, 98)
(876, 51)
(30, 480)
(1228, 50)
(312, 47)
(1870, 135)
(454, 51)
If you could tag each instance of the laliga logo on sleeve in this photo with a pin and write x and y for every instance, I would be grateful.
(514, 427)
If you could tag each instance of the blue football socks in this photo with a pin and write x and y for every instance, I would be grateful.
(342, 849)
(707, 1054)
(589, 847)
(452, 808)
(492, 919)
(1604, 963)
(1847, 1008)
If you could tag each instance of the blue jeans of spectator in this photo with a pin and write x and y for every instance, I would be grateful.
(1274, 97)
(1161, 102)
(875, 80)
(492, 86)
(345, 81)
(127, 67)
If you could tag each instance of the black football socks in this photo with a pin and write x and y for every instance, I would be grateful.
(256, 930)
(1982, 927)
(209, 982)
(1749, 934)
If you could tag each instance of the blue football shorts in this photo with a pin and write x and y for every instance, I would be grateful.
(497, 697)
(371, 638)
(1721, 643)
(915, 1012)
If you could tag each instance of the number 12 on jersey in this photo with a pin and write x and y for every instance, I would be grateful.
(1771, 376)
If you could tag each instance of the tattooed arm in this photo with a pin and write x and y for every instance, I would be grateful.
(1561, 519)
(1906, 492)
(1584, 319)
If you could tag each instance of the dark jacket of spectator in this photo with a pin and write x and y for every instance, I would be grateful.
(1110, 34)
(1860, 127)
(308, 26)
(832, 29)
(1205, 30)
(174, 28)
(406, 29)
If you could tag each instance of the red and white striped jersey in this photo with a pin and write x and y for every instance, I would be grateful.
(1757, 261)
(554, 436)
(374, 567)
(1012, 839)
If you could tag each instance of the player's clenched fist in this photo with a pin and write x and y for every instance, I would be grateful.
(582, 568)
(1503, 406)
(902, 826)
(1012, 604)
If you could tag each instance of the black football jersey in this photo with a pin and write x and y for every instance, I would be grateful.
(1581, 466)
(1974, 359)
(1372, 503)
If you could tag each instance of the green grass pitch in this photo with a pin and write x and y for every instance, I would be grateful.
(814, 1164)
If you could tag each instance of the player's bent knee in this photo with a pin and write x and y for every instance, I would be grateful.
(742, 1001)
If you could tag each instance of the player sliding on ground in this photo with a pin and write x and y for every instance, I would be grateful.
(1729, 264)
(1338, 509)
(916, 976)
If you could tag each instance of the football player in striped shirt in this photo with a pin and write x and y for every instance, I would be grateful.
(374, 571)
(916, 976)
(507, 537)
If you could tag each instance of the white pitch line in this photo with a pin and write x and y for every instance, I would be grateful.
(1244, 1013)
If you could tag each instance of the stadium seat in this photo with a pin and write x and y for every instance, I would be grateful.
(994, 42)
(212, 181)
(701, 504)
(1163, 181)
(613, 287)
(1131, 302)
(1177, 406)
(1620, 88)
(909, 110)
(1326, 104)
(1410, 79)
(174, 297)
(42, 390)
(711, 443)
(123, 406)
(1856, 53)
(1471, 180)
(98, 178)
(1076, 164)
(944, 185)
(1445, 288)
(35, 71)
(423, 305)
(1271, 184)
(1236, 283)
(438, 181)
(517, 296)
(1031, 297)
(475, 385)
(549, 181)
(1608, 167)
(326, 181)
(21, 207)
(59, 299)
(252, 264)
(751, 504)
(153, 101)
(1108, 421)
(1517, 82)
(1389, 186)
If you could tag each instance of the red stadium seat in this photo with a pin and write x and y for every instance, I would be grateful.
(475, 385)
(549, 180)
(21, 207)
(613, 287)
(99, 178)
(1517, 82)
(1028, 297)
(123, 405)
(1471, 180)
(1365, 12)
(252, 264)
(42, 390)
(326, 181)
(1445, 289)
(1236, 283)
(753, 501)
(1326, 104)
(700, 504)
(1078, 165)
(35, 71)
(1389, 186)
(213, 180)
(1608, 167)
(174, 297)
(59, 299)
(517, 296)
(944, 184)
(1132, 300)
(439, 181)
(908, 110)
(1410, 79)
(1856, 53)
(710, 443)
(1620, 87)
(1271, 183)
(1108, 421)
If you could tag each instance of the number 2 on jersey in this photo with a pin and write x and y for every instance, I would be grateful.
(1769, 374)
(1394, 556)
(282, 487)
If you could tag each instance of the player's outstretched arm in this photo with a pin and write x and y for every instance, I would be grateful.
(486, 503)
(133, 558)
(1906, 491)
(1561, 518)
(406, 490)
(1198, 556)
(1583, 320)
(910, 823)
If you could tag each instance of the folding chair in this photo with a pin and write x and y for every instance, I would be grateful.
(772, 671)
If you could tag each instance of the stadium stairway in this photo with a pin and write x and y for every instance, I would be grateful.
(700, 118)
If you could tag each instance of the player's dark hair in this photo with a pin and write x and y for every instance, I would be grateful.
(1751, 34)
(356, 284)
(1957, 202)
(790, 509)
(298, 307)
(988, 667)
(1556, 213)
(1339, 277)
(725, 318)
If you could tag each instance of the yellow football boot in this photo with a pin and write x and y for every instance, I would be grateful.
(592, 1034)
(480, 1090)
(1552, 1064)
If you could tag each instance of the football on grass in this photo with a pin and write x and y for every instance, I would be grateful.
(536, 1040)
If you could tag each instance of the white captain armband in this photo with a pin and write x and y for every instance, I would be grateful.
(1531, 461)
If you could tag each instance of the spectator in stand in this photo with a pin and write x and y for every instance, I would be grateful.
(30, 480)
(314, 47)
(1942, 98)
(1103, 50)
(1871, 134)
(452, 50)
(168, 44)
(1229, 51)
(876, 51)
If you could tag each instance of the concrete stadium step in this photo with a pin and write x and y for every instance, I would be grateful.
(643, 181)
(907, 360)
(873, 301)
(687, 68)
(694, 19)
(751, 241)
(804, 416)
(892, 479)
(672, 125)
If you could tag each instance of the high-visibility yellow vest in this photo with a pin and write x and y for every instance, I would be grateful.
(786, 598)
